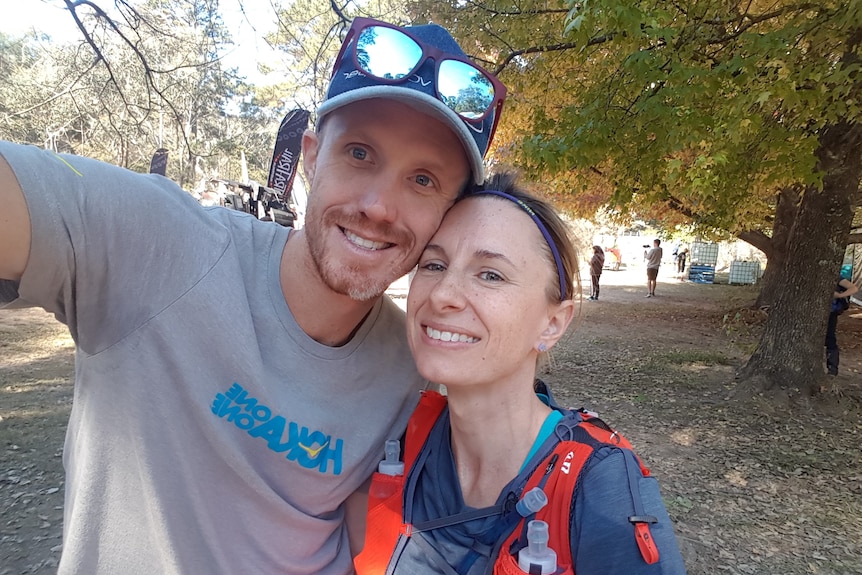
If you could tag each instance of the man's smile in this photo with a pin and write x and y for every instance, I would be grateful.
(363, 242)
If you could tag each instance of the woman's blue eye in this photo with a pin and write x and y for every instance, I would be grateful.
(359, 153)
(432, 267)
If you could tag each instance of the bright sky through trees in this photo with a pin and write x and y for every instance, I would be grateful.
(247, 28)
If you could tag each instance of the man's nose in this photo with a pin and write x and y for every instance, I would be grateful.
(380, 200)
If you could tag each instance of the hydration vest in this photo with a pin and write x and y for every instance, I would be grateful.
(556, 474)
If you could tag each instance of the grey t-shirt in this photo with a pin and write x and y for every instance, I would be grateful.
(653, 257)
(209, 433)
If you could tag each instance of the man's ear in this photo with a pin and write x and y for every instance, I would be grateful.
(310, 147)
(558, 322)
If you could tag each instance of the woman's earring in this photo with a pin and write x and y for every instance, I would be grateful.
(542, 347)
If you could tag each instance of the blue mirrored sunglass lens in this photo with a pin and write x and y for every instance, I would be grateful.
(386, 53)
(466, 90)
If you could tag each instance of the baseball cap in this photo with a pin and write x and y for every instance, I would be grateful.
(349, 85)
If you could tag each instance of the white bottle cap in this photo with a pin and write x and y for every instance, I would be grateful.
(537, 554)
(391, 464)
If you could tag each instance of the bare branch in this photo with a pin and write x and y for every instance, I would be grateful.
(534, 12)
(550, 48)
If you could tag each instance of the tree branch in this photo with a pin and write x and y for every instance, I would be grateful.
(150, 74)
(754, 237)
(534, 12)
(550, 48)
(758, 239)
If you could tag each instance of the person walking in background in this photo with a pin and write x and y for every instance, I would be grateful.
(616, 257)
(597, 263)
(680, 260)
(653, 260)
(840, 303)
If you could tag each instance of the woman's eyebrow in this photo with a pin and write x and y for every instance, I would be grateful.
(489, 255)
(481, 254)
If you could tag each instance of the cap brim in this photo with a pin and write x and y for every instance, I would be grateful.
(421, 102)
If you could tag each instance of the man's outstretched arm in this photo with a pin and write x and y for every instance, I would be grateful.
(14, 225)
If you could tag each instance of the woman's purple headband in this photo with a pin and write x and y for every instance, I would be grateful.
(542, 228)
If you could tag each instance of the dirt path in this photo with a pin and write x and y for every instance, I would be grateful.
(752, 489)
(36, 355)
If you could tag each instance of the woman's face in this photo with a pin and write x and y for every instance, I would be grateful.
(478, 305)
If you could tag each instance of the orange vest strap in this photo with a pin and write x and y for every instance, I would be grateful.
(646, 544)
(560, 472)
(431, 405)
(611, 437)
(385, 516)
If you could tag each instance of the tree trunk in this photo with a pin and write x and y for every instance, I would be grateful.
(789, 358)
(787, 205)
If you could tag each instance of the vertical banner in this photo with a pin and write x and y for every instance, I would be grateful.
(159, 163)
(285, 155)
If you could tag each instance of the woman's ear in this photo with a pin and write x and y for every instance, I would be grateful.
(558, 322)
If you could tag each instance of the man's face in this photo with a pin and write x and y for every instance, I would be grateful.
(382, 175)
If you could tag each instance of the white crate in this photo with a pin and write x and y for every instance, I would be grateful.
(744, 272)
(704, 254)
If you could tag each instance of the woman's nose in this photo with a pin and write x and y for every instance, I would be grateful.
(449, 292)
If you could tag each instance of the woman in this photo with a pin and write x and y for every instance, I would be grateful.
(494, 291)
(840, 303)
(597, 262)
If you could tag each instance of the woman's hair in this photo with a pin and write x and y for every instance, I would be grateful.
(598, 249)
(557, 233)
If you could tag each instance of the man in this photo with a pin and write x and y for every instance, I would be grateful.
(653, 259)
(236, 380)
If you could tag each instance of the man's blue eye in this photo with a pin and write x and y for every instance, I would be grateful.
(423, 180)
(359, 153)
(492, 276)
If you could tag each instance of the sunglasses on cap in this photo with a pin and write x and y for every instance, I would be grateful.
(392, 55)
